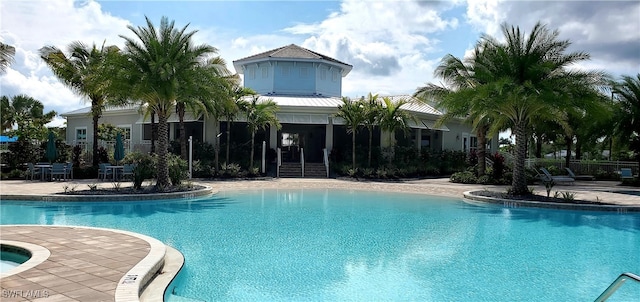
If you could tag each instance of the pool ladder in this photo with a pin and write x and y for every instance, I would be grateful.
(616, 284)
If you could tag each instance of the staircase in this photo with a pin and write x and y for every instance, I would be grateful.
(311, 170)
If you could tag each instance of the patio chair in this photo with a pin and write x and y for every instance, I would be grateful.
(32, 171)
(58, 171)
(625, 173)
(127, 171)
(69, 171)
(102, 170)
(579, 177)
(548, 176)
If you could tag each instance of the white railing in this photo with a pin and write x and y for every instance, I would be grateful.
(325, 159)
(279, 163)
(584, 166)
(616, 284)
(264, 157)
(302, 160)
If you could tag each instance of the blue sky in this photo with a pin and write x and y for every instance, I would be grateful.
(393, 45)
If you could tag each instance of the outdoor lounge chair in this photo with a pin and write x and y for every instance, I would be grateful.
(103, 172)
(127, 171)
(579, 177)
(548, 176)
(32, 171)
(625, 173)
(69, 171)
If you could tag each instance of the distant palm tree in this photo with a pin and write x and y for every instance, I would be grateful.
(393, 119)
(353, 114)
(86, 71)
(627, 96)
(7, 52)
(230, 109)
(27, 114)
(527, 81)
(373, 109)
(159, 61)
(260, 114)
(199, 92)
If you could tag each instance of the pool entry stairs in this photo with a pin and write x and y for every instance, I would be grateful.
(616, 284)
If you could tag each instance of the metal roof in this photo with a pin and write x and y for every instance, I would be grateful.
(291, 51)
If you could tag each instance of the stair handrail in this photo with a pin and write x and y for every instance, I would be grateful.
(279, 152)
(613, 287)
(325, 159)
(302, 160)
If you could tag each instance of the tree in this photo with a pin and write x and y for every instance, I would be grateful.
(27, 114)
(353, 114)
(199, 91)
(86, 70)
(459, 97)
(260, 114)
(392, 118)
(230, 109)
(526, 80)
(626, 93)
(158, 62)
(7, 52)
(372, 111)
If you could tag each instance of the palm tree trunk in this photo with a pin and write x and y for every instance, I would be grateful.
(162, 169)
(568, 142)
(519, 182)
(217, 149)
(353, 150)
(154, 132)
(538, 146)
(228, 138)
(370, 144)
(253, 136)
(183, 134)
(578, 148)
(482, 150)
(96, 160)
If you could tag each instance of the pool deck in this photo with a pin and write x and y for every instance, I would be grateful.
(91, 264)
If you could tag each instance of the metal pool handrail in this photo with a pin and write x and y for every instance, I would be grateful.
(616, 284)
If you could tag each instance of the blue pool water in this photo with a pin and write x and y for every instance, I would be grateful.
(356, 245)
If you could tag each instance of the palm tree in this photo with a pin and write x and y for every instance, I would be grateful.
(260, 114)
(393, 119)
(353, 114)
(627, 95)
(459, 98)
(86, 71)
(6, 56)
(198, 92)
(230, 109)
(159, 61)
(372, 110)
(526, 80)
(27, 114)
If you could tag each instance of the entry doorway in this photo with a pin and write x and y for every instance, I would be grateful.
(294, 137)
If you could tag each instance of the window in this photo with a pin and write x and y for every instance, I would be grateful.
(323, 74)
(285, 71)
(334, 76)
(81, 133)
(265, 72)
(473, 146)
(304, 72)
(251, 73)
(126, 132)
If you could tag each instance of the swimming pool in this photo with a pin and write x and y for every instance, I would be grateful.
(356, 245)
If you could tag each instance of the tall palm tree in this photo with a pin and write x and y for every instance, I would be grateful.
(6, 56)
(159, 60)
(372, 110)
(27, 114)
(86, 70)
(353, 114)
(627, 95)
(392, 118)
(199, 91)
(260, 114)
(526, 79)
(230, 109)
(458, 98)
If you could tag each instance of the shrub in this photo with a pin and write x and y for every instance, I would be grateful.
(485, 180)
(230, 170)
(144, 169)
(465, 177)
(498, 166)
(178, 169)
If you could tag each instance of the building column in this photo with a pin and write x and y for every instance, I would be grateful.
(418, 138)
(328, 140)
